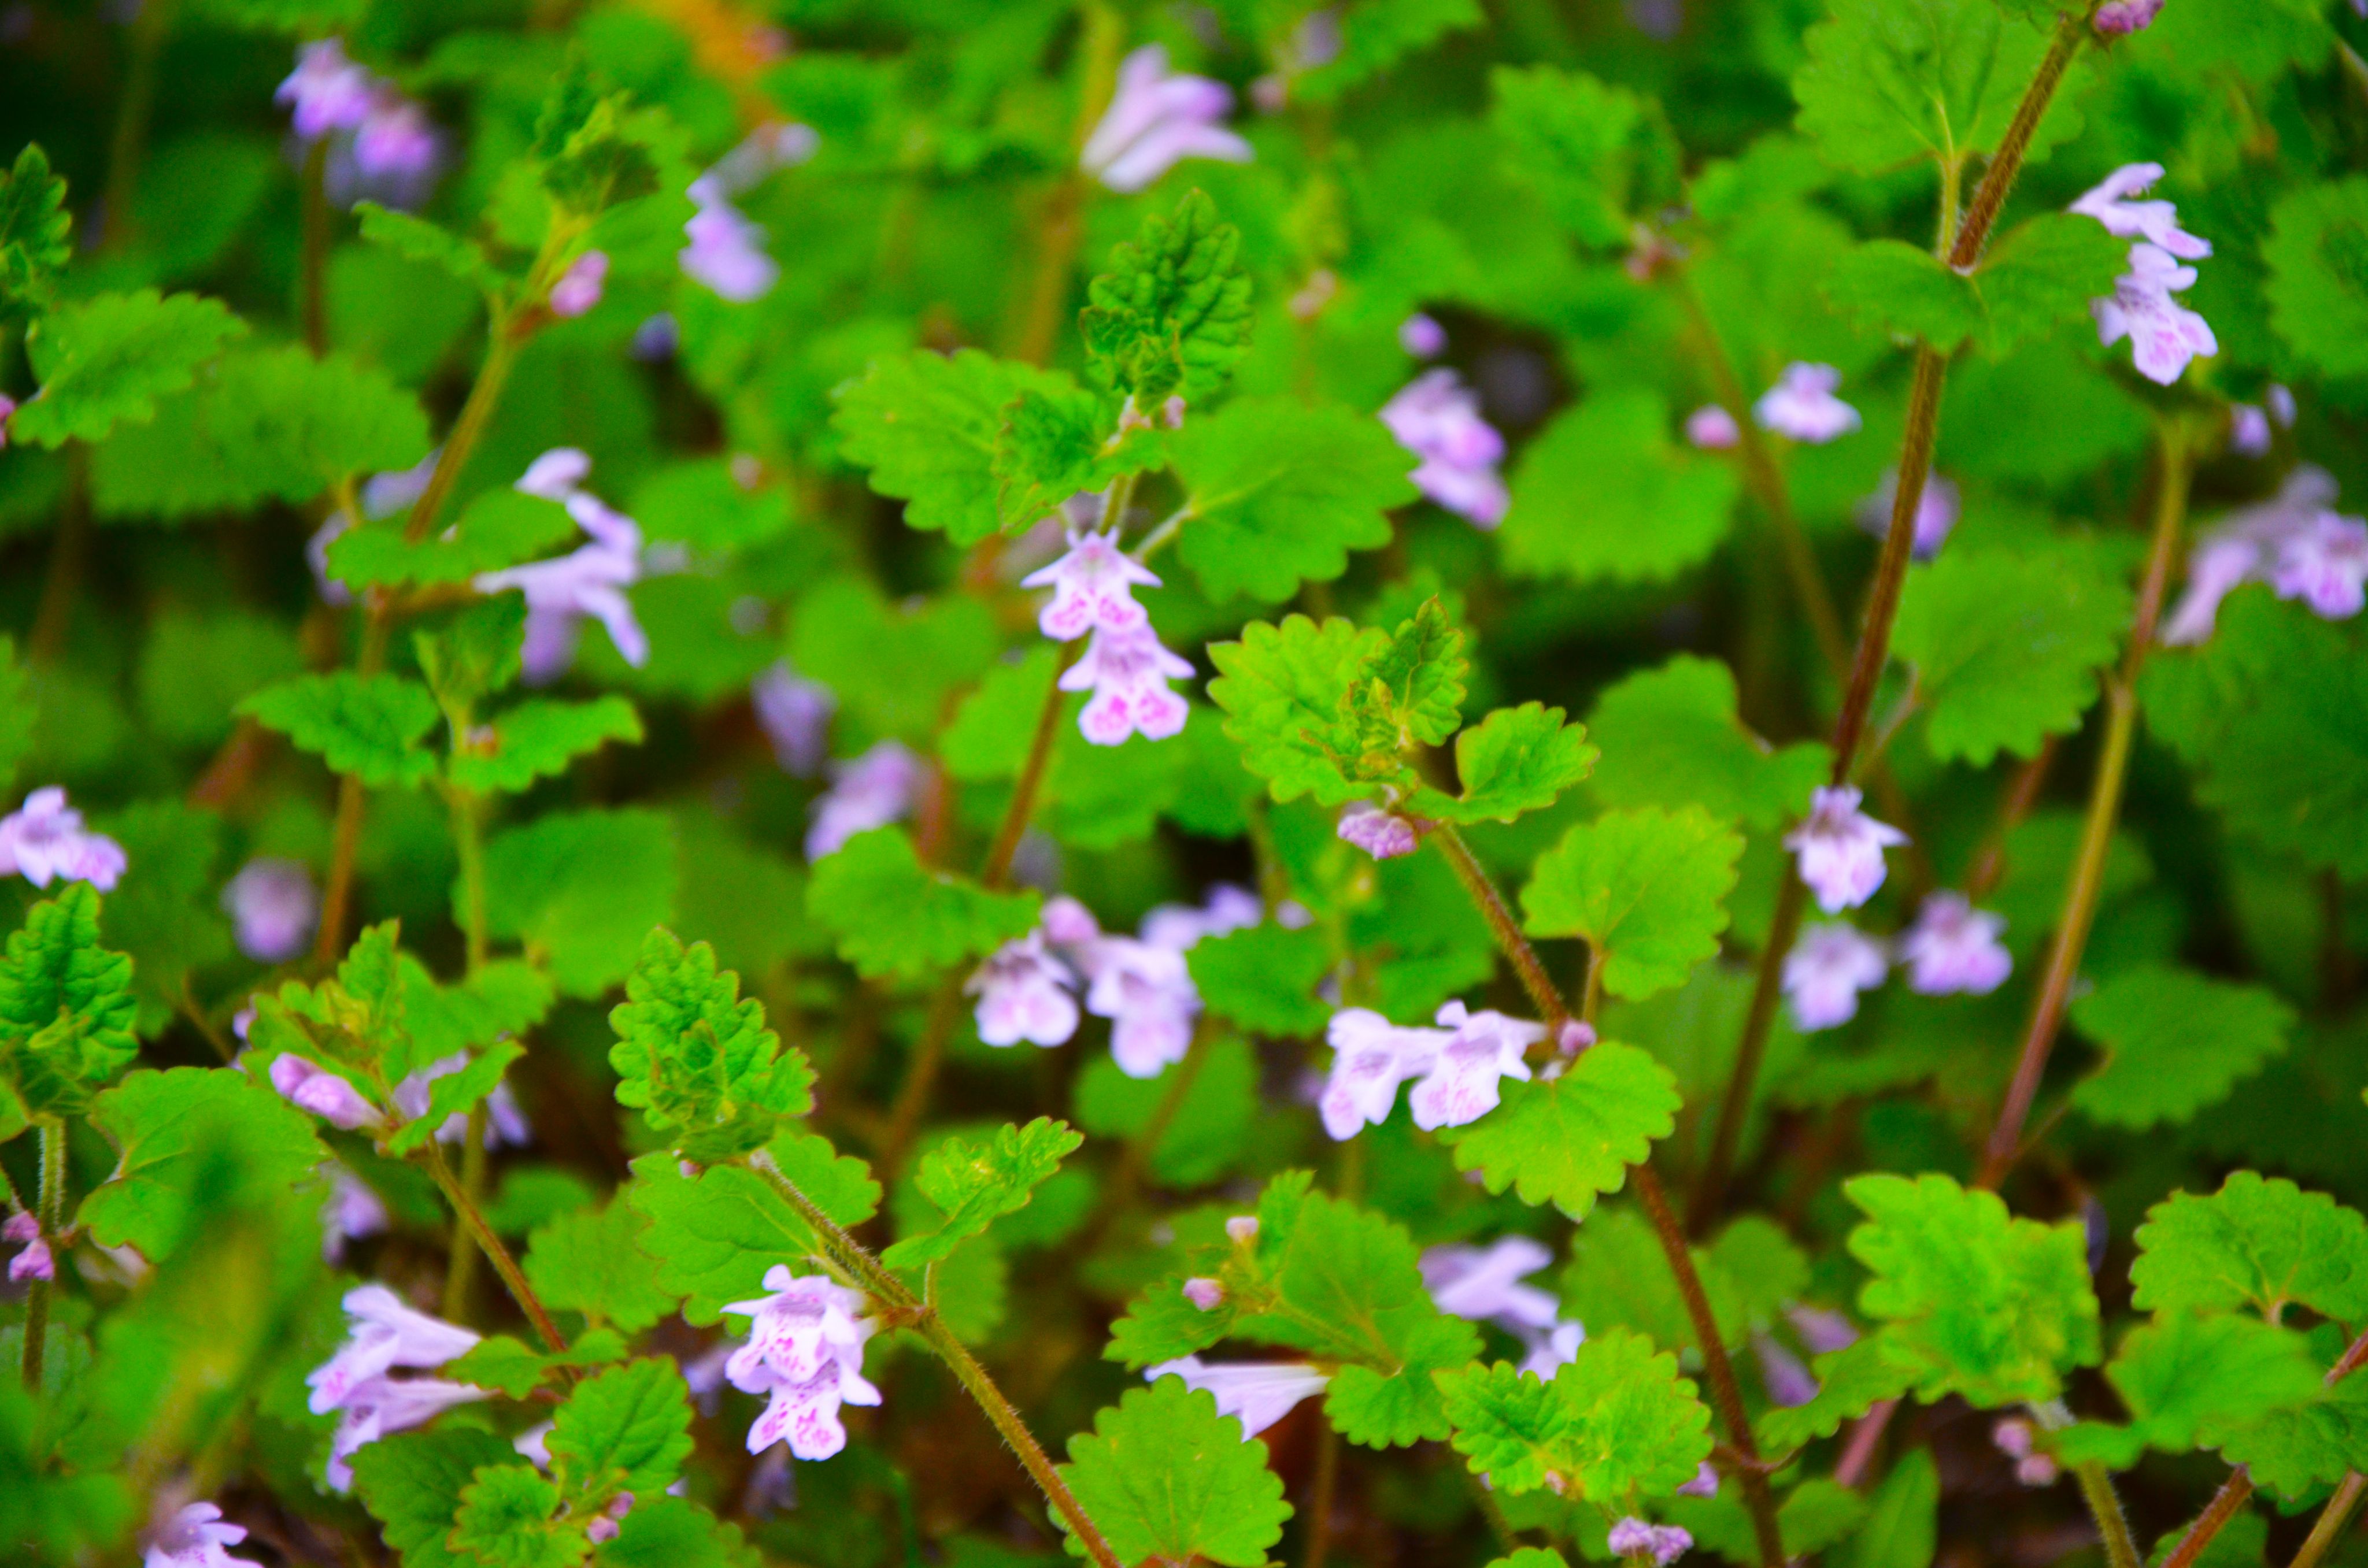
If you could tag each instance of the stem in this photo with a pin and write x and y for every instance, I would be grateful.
(921, 1075)
(1507, 931)
(2232, 1495)
(1767, 993)
(52, 1200)
(2332, 1520)
(1319, 1504)
(460, 1260)
(1492, 1508)
(2020, 796)
(2086, 883)
(1061, 227)
(469, 848)
(2005, 164)
(1030, 783)
(857, 1260)
(1891, 569)
(1858, 1454)
(313, 297)
(148, 30)
(504, 1263)
(501, 358)
(54, 617)
(2097, 1489)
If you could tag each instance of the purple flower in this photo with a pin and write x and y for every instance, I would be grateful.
(805, 1353)
(273, 905)
(1787, 1380)
(1204, 1293)
(1936, 512)
(1024, 993)
(310, 1087)
(1227, 909)
(1485, 1284)
(873, 790)
(2164, 335)
(1712, 428)
(395, 148)
(1840, 849)
(1090, 588)
(1662, 1543)
(195, 1538)
(579, 289)
(2119, 18)
(1802, 406)
(44, 841)
(1462, 1086)
(353, 1211)
(1437, 418)
(2253, 543)
(2014, 1438)
(1704, 1484)
(2323, 563)
(726, 251)
(588, 581)
(1147, 993)
(328, 91)
(794, 713)
(1257, 1393)
(385, 1334)
(1370, 1057)
(2281, 400)
(504, 1123)
(1381, 834)
(605, 1526)
(557, 475)
(1421, 336)
(1552, 1348)
(1825, 970)
(2248, 430)
(1822, 1331)
(35, 1261)
(1127, 673)
(1954, 948)
(1155, 120)
(2156, 223)
(378, 1407)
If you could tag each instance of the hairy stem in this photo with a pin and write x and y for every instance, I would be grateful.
(891, 1293)
(1507, 931)
(460, 1259)
(1319, 1502)
(921, 1075)
(1767, 994)
(2332, 1521)
(2086, 883)
(1030, 783)
(2097, 1490)
(50, 1213)
(474, 1219)
(1858, 1453)
(2005, 164)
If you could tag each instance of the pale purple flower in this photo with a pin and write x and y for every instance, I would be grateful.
(1155, 120)
(579, 289)
(35, 1261)
(1437, 418)
(1227, 908)
(1825, 970)
(310, 1087)
(386, 1332)
(44, 841)
(379, 1407)
(1204, 1292)
(1462, 1084)
(588, 581)
(1484, 1284)
(1024, 993)
(1662, 1543)
(1128, 674)
(1421, 336)
(328, 91)
(1788, 1381)
(1147, 993)
(2323, 563)
(2014, 1438)
(385, 495)
(2119, 18)
(395, 148)
(353, 1211)
(557, 475)
(1067, 923)
(2280, 399)
(1936, 512)
(769, 147)
(1802, 406)
(1550, 1349)
(504, 1123)
(1704, 1484)
(2253, 544)
(2248, 430)
(1822, 1331)
(1954, 948)
(8, 407)
(274, 906)
(1242, 1227)
(2164, 335)
(2156, 223)
(873, 790)
(1381, 834)
(1092, 587)
(1840, 848)
(1711, 428)
(726, 251)
(656, 339)
(1257, 1393)
(195, 1537)
(1370, 1057)
(794, 713)
(605, 1526)
(805, 1353)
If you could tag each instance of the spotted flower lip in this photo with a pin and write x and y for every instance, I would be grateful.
(2164, 335)
(2296, 542)
(1128, 672)
(1024, 993)
(1484, 1049)
(1157, 120)
(1092, 587)
(1257, 1394)
(195, 1537)
(804, 1352)
(1372, 1057)
(1662, 1543)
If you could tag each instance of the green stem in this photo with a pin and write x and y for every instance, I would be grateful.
(132, 112)
(857, 1260)
(460, 1259)
(1061, 227)
(1507, 931)
(2332, 1521)
(1319, 1502)
(2097, 1489)
(1030, 783)
(313, 298)
(469, 849)
(50, 1213)
(474, 1219)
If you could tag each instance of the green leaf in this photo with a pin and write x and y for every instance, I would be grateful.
(1644, 887)
(973, 1185)
(2259, 1242)
(627, 1429)
(540, 739)
(191, 1143)
(1599, 156)
(499, 529)
(1902, 1521)
(35, 229)
(411, 1482)
(1172, 315)
(2189, 1380)
(1514, 761)
(2005, 648)
(1671, 736)
(1509, 1425)
(1413, 691)
(2308, 1447)
(1990, 1307)
(503, 997)
(369, 726)
(716, 1234)
(1890, 80)
(475, 654)
(1281, 688)
(1053, 444)
(2039, 276)
(167, 917)
(892, 667)
(581, 890)
(104, 362)
(1210, 1130)
(667, 1532)
(456, 1094)
(505, 1521)
(697, 1058)
(1850, 1382)
(416, 239)
(1165, 1477)
(2318, 257)
(1604, 492)
(895, 916)
(2176, 1042)
(1376, 34)
(1280, 491)
(1616, 1421)
(1264, 978)
(66, 1007)
(927, 426)
(1571, 1140)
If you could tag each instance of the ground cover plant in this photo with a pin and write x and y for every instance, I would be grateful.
(973, 782)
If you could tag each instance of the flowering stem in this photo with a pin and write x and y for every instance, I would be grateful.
(2080, 895)
(1062, 225)
(1030, 783)
(2332, 1520)
(50, 1199)
(1507, 931)
(504, 1263)
(2232, 1495)
(2097, 1490)
(317, 245)
(891, 1293)
(921, 1076)
(1767, 992)
(2005, 164)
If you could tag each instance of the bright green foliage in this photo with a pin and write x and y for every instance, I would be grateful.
(714, 1235)
(17, 710)
(1644, 887)
(895, 916)
(1412, 693)
(1618, 1278)
(1993, 1308)
(504, 997)
(1165, 1477)
(500, 528)
(1568, 1141)
(168, 917)
(416, 239)
(1172, 315)
(927, 426)
(1850, 1382)
(626, 1430)
(505, 1521)
(2176, 1042)
(1211, 1129)
(1891, 81)
(1531, 1557)
(1054, 443)
(2188, 1381)
(2258, 1242)
(667, 1532)
(2035, 279)
(1280, 491)
(187, 1141)
(1599, 156)
(1603, 492)
(973, 1185)
(1617, 1422)
(476, 654)
(1374, 34)
(539, 740)
(358, 1019)
(1264, 977)
(34, 230)
(892, 666)
(456, 1094)
(369, 726)
(412, 1484)
(2318, 255)
(581, 890)
(506, 1366)
(1672, 735)
(697, 1058)
(2005, 648)
(105, 361)
(2305, 1447)
(1515, 760)
(1282, 687)
(66, 1006)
